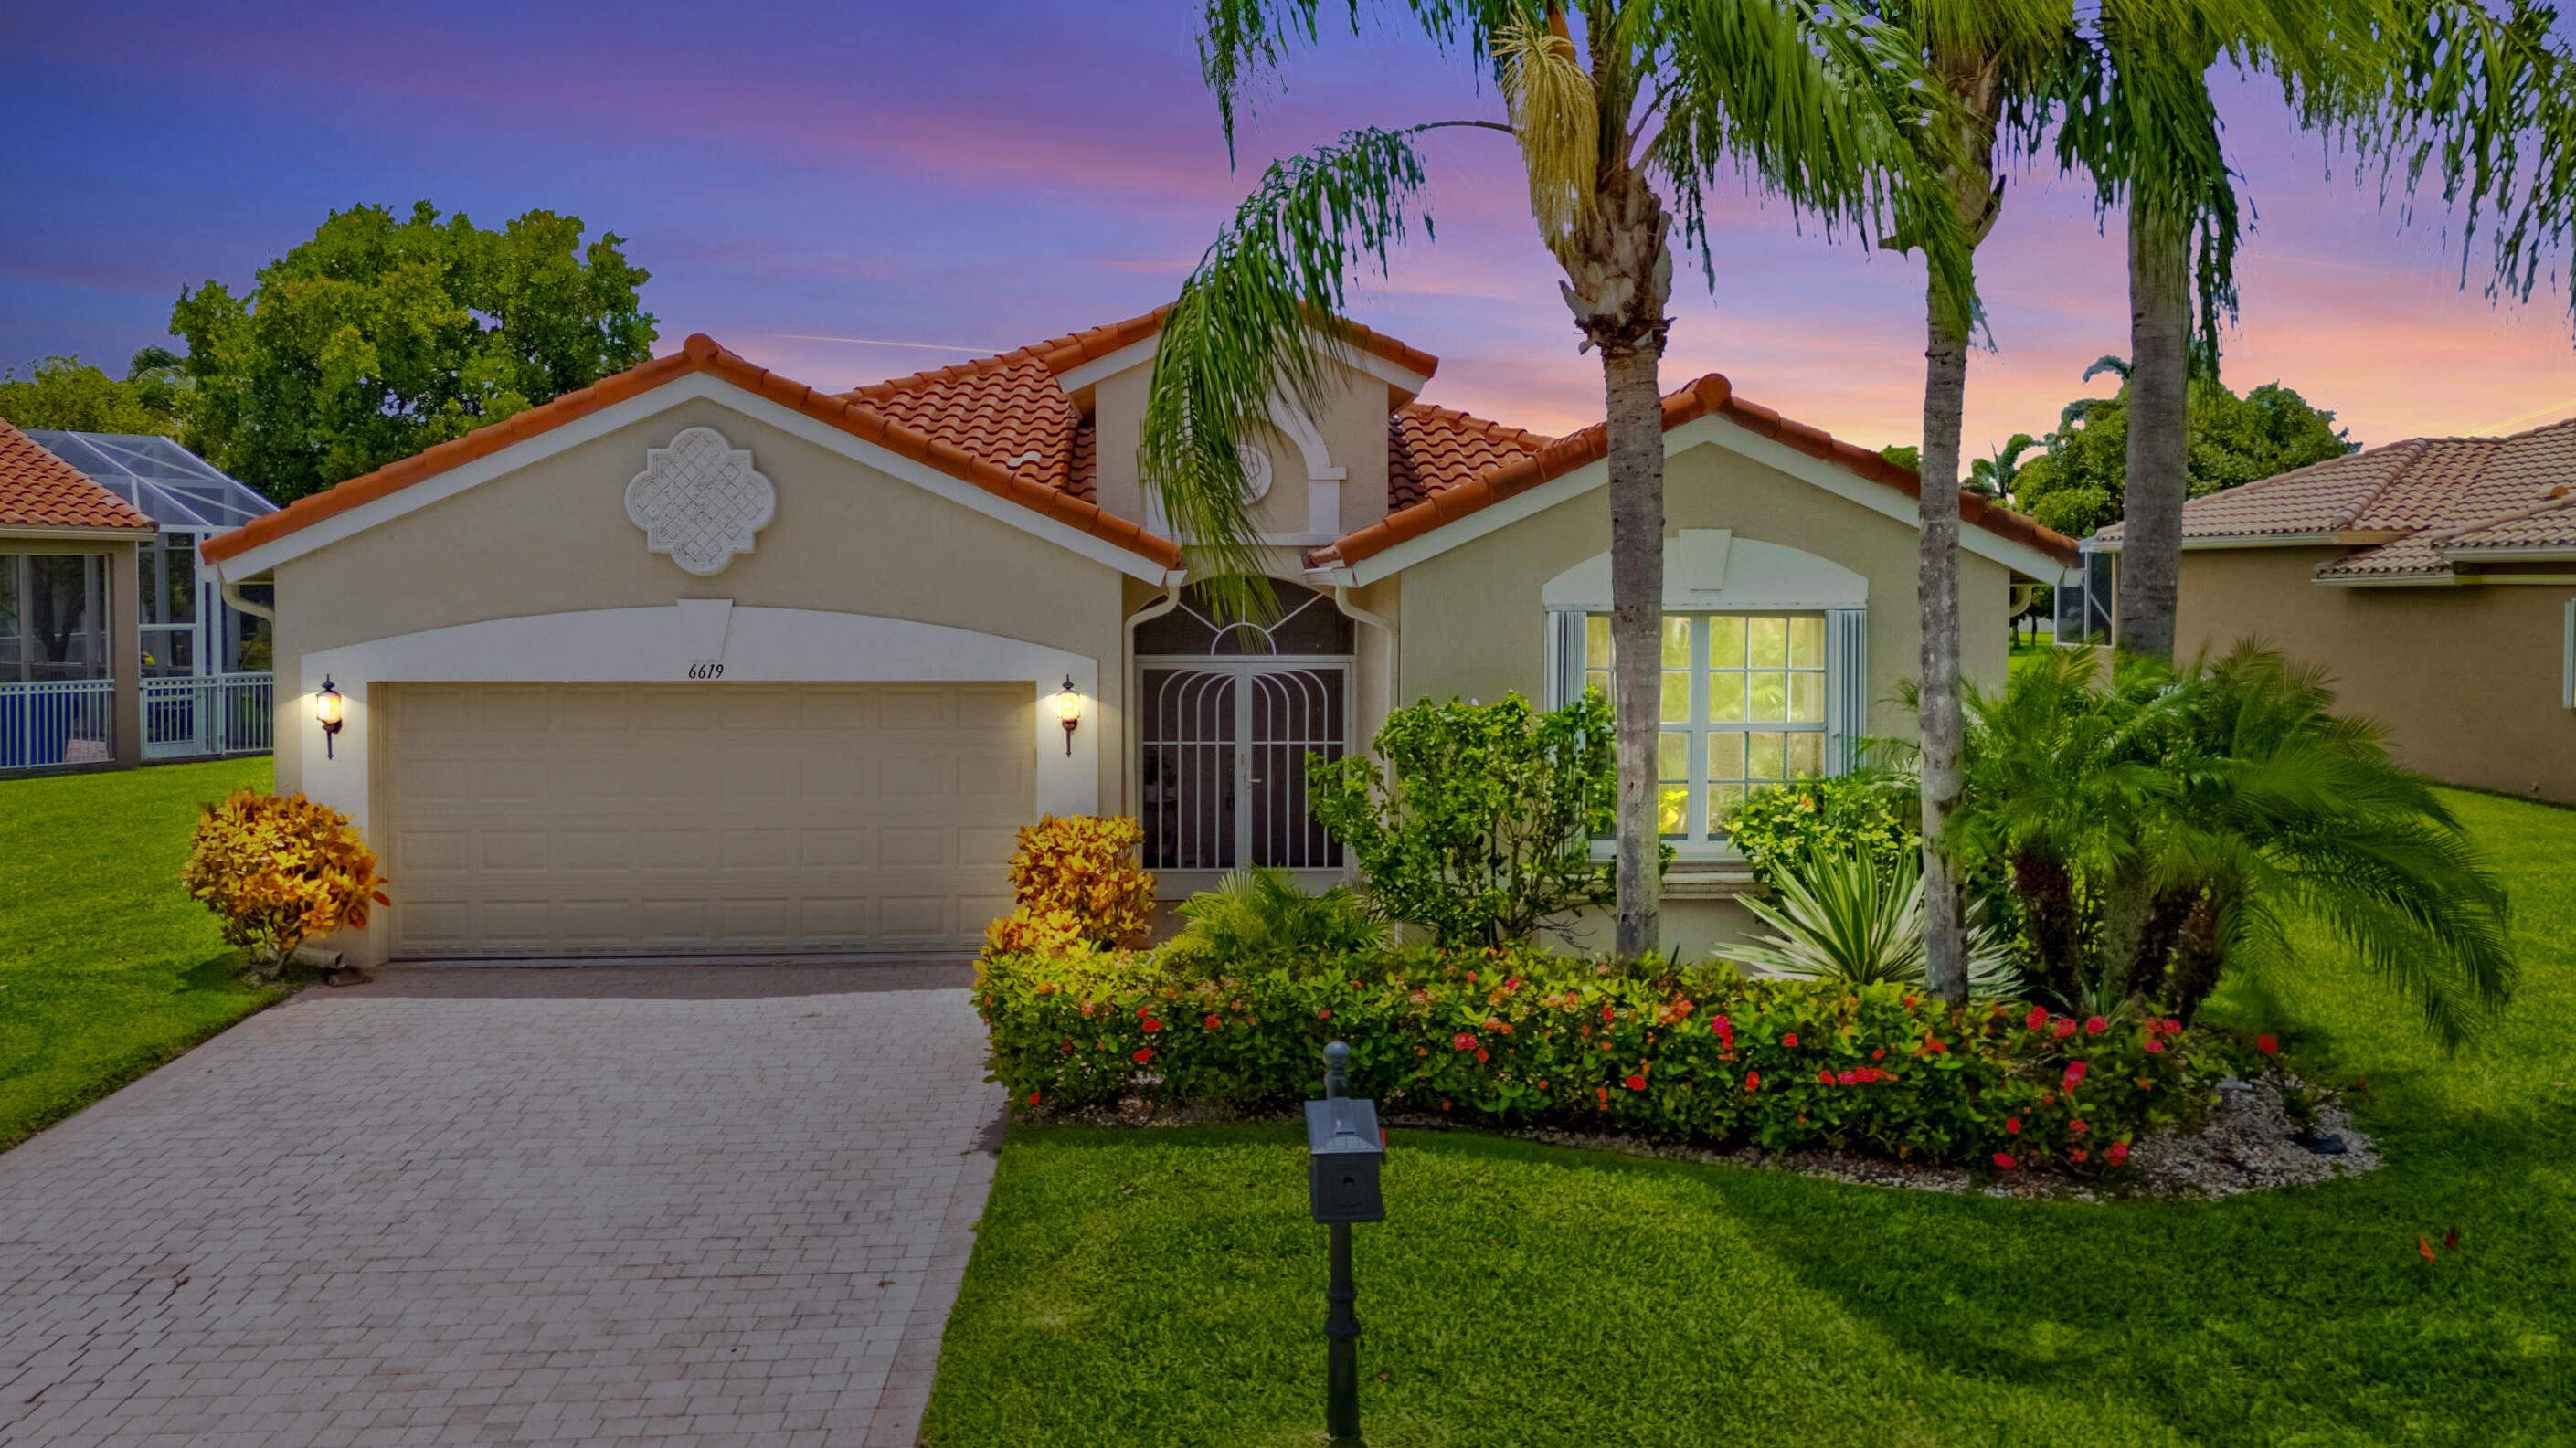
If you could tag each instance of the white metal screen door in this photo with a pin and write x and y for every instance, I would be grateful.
(1224, 766)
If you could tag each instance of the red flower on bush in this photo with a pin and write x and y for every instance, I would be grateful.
(1143, 1055)
(1033, 1098)
(1724, 1030)
(2080, 1154)
(2078, 1127)
(1463, 1041)
(1323, 1013)
(2004, 1159)
(1213, 1023)
(1481, 1054)
(2063, 1028)
(2012, 1124)
(1604, 1093)
(2037, 1018)
(1153, 1025)
(1752, 1081)
(1824, 1078)
(1935, 1046)
(1790, 1040)
(1608, 1014)
(2119, 1152)
(2155, 1047)
(2095, 1025)
(1848, 1078)
(2268, 1045)
(1636, 1083)
(2074, 1074)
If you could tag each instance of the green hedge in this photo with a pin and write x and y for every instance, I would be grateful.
(1522, 1038)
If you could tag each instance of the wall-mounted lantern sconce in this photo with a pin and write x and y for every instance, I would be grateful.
(326, 708)
(1068, 707)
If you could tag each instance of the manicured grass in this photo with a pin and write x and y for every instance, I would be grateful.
(107, 968)
(1165, 1287)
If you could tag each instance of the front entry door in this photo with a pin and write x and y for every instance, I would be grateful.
(1224, 762)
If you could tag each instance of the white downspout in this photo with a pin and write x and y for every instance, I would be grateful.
(232, 597)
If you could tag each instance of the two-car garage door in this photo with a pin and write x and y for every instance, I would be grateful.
(688, 819)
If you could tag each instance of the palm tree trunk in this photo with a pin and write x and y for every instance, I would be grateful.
(2160, 302)
(1945, 400)
(1636, 462)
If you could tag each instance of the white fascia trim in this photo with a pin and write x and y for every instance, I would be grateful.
(1093, 372)
(2249, 540)
(2474, 554)
(1779, 456)
(78, 535)
(658, 645)
(692, 387)
(1136, 354)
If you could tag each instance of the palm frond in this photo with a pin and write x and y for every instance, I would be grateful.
(1556, 116)
(1842, 916)
(1260, 318)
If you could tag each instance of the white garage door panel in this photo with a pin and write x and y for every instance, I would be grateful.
(661, 819)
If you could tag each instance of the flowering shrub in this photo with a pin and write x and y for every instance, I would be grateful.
(1075, 885)
(1515, 1037)
(1863, 814)
(280, 871)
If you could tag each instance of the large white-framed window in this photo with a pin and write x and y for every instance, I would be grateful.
(1749, 700)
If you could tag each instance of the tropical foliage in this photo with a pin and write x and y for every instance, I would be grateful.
(278, 872)
(1075, 885)
(1866, 814)
(1847, 916)
(1259, 919)
(67, 394)
(2078, 485)
(383, 335)
(1479, 829)
(2160, 827)
(1518, 1037)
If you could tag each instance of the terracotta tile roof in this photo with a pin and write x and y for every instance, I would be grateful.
(2447, 496)
(2321, 498)
(701, 354)
(40, 490)
(1433, 449)
(1006, 411)
(1066, 353)
(1711, 395)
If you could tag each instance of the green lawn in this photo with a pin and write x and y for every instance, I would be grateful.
(1165, 1288)
(107, 968)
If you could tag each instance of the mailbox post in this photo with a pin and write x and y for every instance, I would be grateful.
(1343, 1150)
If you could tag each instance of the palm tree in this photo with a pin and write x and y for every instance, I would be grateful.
(2436, 91)
(1823, 107)
(1995, 61)
(1992, 476)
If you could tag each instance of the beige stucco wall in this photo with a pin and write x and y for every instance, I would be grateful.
(1352, 424)
(1475, 626)
(554, 537)
(2466, 678)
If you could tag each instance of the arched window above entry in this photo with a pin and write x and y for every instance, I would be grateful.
(1306, 624)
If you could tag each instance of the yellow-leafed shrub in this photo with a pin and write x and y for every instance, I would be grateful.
(1075, 884)
(280, 871)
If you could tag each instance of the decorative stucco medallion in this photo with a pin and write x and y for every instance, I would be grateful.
(700, 500)
(1256, 473)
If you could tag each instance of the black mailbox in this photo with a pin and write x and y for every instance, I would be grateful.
(1343, 1152)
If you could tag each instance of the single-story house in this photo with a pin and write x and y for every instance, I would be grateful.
(703, 661)
(2434, 579)
(70, 655)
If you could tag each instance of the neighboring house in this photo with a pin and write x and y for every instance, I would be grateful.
(199, 680)
(2434, 579)
(700, 660)
(70, 658)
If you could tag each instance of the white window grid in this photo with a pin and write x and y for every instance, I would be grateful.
(1745, 705)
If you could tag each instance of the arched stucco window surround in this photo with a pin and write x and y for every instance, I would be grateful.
(1767, 656)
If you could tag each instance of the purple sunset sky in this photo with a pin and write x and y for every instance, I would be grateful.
(977, 176)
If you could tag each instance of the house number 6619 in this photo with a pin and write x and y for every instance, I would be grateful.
(706, 671)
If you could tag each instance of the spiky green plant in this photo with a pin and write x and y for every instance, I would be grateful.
(1260, 918)
(1846, 916)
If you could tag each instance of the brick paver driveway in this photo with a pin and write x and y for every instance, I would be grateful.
(669, 1205)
